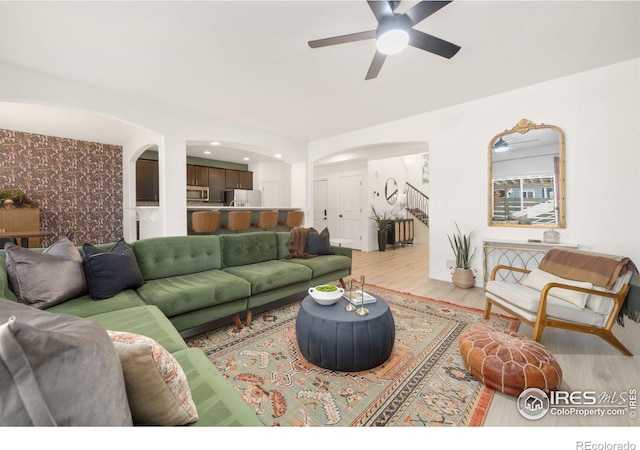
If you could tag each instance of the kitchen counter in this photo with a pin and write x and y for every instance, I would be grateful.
(235, 208)
(255, 215)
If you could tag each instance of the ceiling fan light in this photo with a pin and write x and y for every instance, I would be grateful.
(500, 146)
(392, 41)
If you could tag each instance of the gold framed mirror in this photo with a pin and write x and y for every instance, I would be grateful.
(527, 177)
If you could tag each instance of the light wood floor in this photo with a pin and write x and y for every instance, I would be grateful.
(588, 363)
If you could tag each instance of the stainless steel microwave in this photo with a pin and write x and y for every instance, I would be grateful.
(198, 193)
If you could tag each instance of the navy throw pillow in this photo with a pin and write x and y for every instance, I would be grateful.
(319, 243)
(110, 271)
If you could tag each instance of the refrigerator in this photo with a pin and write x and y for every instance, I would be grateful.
(242, 197)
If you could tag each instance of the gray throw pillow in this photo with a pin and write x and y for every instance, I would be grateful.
(44, 279)
(58, 370)
(319, 243)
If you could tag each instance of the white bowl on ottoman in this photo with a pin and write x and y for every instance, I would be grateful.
(326, 294)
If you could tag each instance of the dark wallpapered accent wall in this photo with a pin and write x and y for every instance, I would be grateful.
(76, 184)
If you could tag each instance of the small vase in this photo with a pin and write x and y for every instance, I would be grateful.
(463, 278)
(551, 236)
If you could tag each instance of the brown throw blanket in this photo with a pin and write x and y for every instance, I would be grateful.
(298, 246)
(599, 269)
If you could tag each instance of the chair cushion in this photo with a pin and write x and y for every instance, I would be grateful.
(604, 305)
(525, 301)
(537, 279)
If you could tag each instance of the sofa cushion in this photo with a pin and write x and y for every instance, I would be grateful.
(186, 293)
(248, 248)
(268, 275)
(157, 387)
(58, 370)
(283, 240)
(110, 272)
(46, 278)
(85, 306)
(146, 320)
(166, 257)
(527, 299)
(319, 243)
(538, 279)
(324, 265)
(217, 402)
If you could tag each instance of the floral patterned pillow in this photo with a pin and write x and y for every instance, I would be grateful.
(157, 387)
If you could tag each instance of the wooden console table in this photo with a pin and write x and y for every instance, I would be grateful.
(401, 232)
(521, 254)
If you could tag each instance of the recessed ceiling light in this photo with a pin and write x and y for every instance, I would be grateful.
(245, 158)
(215, 143)
(207, 152)
(278, 155)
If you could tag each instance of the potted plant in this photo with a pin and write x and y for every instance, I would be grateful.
(383, 223)
(14, 198)
(462, 274)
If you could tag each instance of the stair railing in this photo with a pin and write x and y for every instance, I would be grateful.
(417, 203)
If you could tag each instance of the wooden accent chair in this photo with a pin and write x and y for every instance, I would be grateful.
(543, 299)
(267, 220)
(294, 219)
(205, 222)
(238, 220)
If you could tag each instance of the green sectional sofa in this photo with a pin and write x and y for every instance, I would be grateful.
(191, 281)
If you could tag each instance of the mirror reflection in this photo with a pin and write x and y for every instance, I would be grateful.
(526, 173)
(391, 191)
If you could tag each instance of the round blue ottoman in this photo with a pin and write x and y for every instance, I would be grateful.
(335, 339)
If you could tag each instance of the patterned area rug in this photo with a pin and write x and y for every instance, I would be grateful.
(424, 382)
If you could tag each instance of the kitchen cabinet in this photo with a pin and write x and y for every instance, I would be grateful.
(197, 175)
(147, 180)
(216, 184)
(238, 179)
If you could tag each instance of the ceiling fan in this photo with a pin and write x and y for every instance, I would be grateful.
(395, 32)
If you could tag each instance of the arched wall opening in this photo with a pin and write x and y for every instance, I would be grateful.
(348, 183)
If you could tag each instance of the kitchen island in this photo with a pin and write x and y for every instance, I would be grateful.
(255, 214)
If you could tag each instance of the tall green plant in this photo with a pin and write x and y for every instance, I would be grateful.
(461, 245)
(383, 220)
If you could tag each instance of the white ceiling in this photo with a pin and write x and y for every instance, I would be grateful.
(249, 62)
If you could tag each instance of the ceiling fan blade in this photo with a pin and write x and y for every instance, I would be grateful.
(380, 9)
(344, 39)
(432, 44)
(424, 9)
(376, 65)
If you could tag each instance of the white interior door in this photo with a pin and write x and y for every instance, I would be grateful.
(320, 204)
(350, 210)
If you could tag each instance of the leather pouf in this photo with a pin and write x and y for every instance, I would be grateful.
(507, 361)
